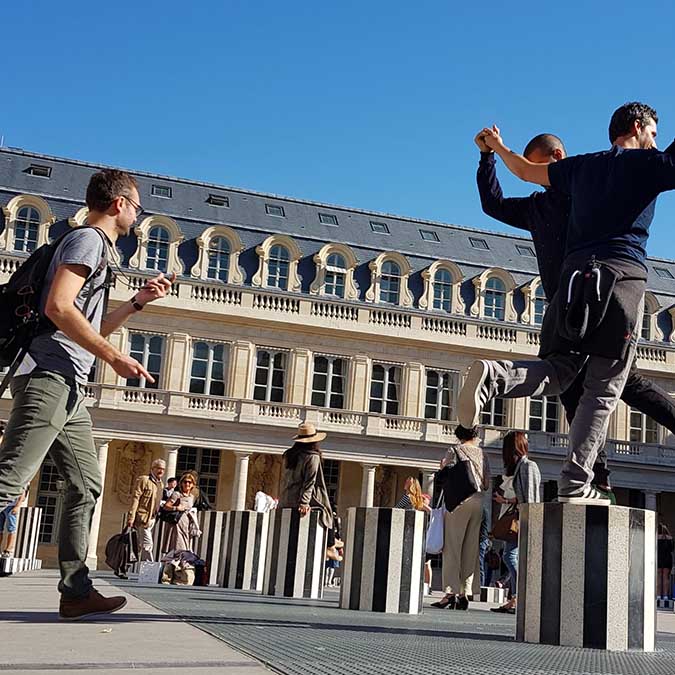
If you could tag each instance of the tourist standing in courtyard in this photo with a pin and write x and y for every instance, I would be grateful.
(145, 505)
(48, 410)
(462, 523)
(412, 495)
(180, 502)
(521, 484)
(303, 486)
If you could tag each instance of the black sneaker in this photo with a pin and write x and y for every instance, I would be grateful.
(589, 495)
(474, 394)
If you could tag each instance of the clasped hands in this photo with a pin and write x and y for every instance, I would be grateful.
(488, 139)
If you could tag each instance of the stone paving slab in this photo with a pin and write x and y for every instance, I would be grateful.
(33, 640)
(303, 637)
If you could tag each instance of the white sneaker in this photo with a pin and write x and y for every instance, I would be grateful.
(474, 395)
(589, 496)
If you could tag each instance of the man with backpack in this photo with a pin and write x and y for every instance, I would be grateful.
(48, 412)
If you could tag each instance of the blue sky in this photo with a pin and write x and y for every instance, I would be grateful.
(365, 104)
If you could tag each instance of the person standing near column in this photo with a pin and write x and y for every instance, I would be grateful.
(48, 405)
(145, 505)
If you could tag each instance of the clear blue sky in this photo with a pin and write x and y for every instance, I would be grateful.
(370, 104)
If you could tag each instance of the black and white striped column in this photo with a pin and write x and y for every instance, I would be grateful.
(27, 539)
(587, 576)
(492, 594)
(296, 554)
(384, 560)
(208, 546)
(241, 550)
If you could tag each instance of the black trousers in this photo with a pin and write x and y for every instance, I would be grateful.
(639, 393)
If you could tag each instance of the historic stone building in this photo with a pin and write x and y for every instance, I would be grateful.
(287, 310)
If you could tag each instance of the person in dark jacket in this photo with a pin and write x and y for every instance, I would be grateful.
(613, 195)
(545, 216)
(303, 485)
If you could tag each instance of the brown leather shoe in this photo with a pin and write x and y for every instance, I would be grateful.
(89, 606)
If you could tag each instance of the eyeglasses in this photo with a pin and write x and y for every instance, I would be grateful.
(137, 207)
(188, 482)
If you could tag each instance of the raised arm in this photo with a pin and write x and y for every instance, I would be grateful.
(516, 164)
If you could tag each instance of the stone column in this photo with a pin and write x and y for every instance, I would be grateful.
(171, 461)
(177, 362)
(300, 369)
(368, 484)
(359, 376)
(240, 482)
(242, 355)
(428, 483)
(102, 450)
(650, 500)
(413, 390)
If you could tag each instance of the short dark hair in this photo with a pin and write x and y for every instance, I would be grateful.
(624, 117)
(106, 186)
(173, 478)
(466, 434)
(545, 143)
(514, 447)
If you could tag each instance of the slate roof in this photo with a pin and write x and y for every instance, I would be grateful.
(188, 206)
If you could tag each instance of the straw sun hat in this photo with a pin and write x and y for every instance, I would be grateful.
(307, 433)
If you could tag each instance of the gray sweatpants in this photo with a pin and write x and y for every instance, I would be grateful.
(603, 386)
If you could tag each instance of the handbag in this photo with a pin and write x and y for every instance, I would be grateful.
(506, 528)
(171, 517)
(435, 534)
(458, 482)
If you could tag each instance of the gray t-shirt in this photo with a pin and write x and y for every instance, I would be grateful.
(56, 352)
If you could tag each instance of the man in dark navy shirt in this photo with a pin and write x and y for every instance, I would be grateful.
(612, 196)
(545, 216)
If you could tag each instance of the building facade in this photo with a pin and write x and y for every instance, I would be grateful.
(286, 310)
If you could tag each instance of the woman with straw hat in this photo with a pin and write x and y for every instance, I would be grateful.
(303, 485)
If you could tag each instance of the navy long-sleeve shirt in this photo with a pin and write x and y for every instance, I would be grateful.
(543, 214)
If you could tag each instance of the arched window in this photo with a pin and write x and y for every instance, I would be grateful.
(495, 299)
(158, 249)
(540, 305)
(443, 290)
(26, 229)
(278, 267)
(336, 275)
(390, 282)
(219, 259)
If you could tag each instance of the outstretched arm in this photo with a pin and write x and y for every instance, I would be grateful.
(517, 164)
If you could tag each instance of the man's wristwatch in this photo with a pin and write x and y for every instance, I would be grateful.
(135, 304)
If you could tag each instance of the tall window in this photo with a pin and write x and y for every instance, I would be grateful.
(384, 389)
(390, 282)
(50, 500)
(440, 395)
(219, 259)
(646, 333)
(540, 304)
(443, 290)
(336, 275)
(206, 462)
(277, 267)
(26, 228)
(643, 429)
(545, 414)
(158, 249)
(331, 473)
(494, 413)
(328, 384)
(147, 350)
(495, 299)
(270, 373)
(208, 369)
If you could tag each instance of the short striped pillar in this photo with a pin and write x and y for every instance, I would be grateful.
(208, 546)
(384, 560)
(296, 554)
(27, 538)
(241, 550)
(492, 594)
(587, 576)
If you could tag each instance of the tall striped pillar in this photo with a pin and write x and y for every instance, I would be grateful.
(27, 539)
(241, 549)
(384, 560)
(587, 576)
(296, 554)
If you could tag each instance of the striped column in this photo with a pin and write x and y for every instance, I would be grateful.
(492, 594)
(384, 560)
(587, 576)
(296, 554)
(27, 539)
(242, 543)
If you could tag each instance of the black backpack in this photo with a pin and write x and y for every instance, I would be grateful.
(20, 317)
